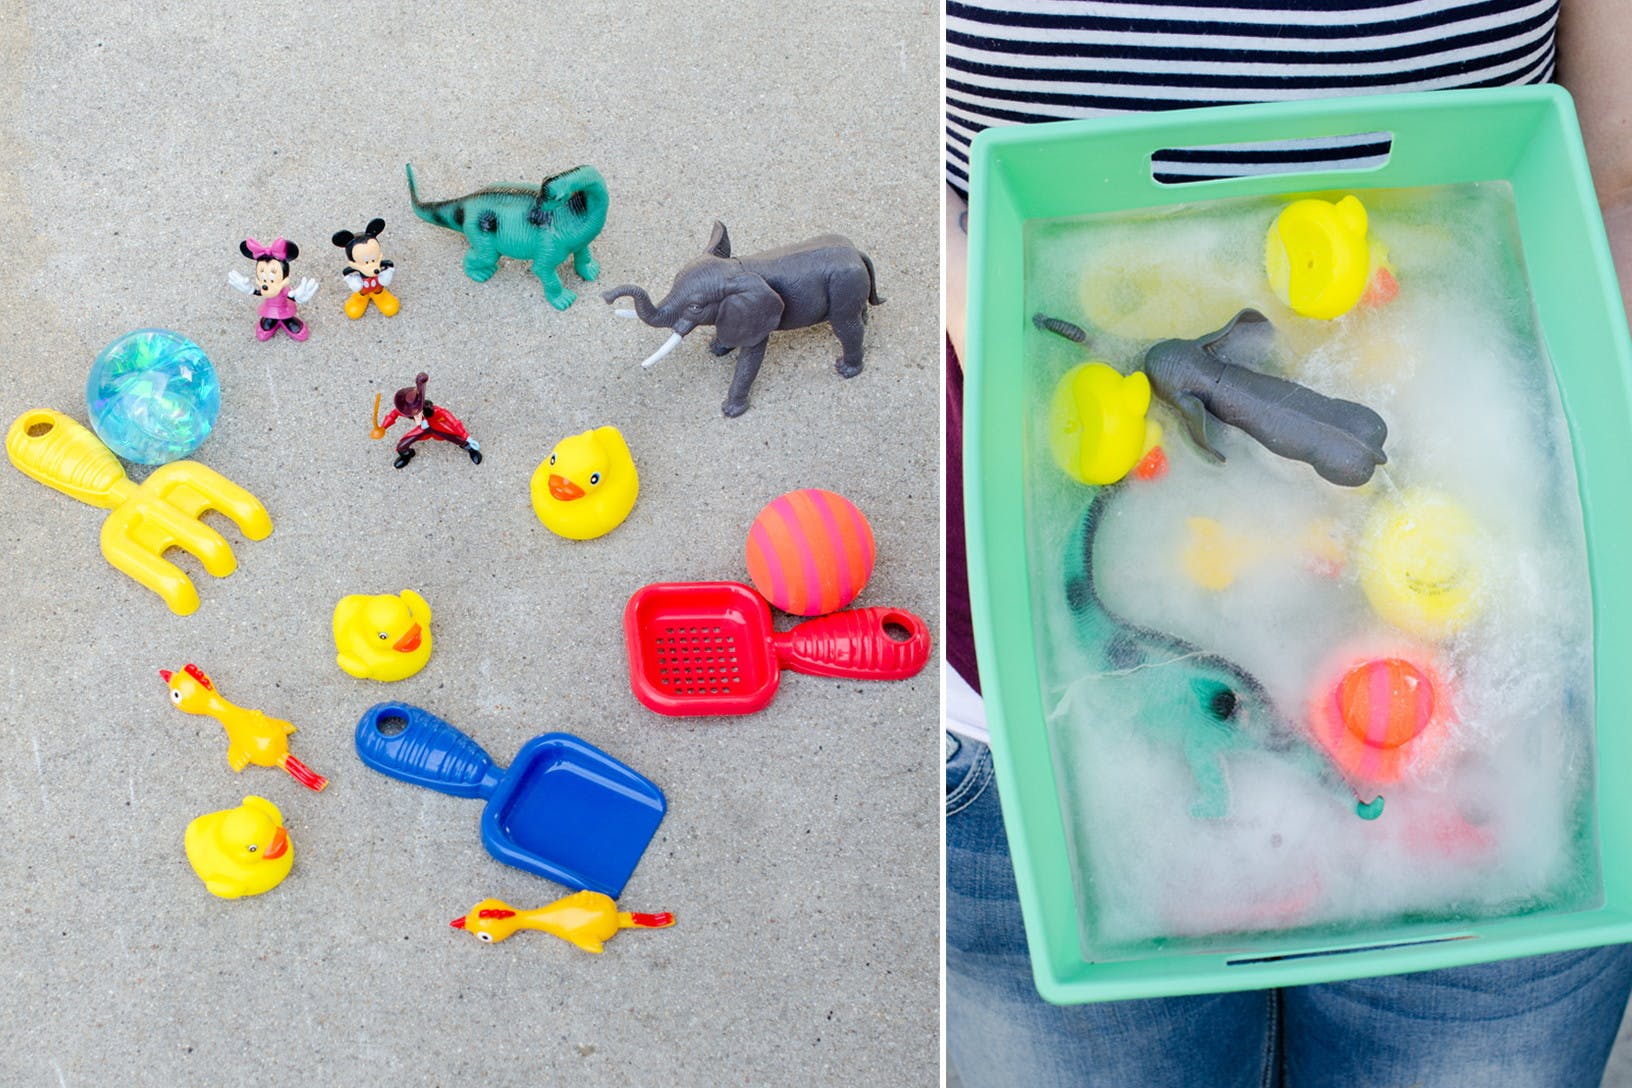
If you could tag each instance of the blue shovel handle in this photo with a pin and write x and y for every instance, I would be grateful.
(414, 745)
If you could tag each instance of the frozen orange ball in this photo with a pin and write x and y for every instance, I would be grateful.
(810, 552)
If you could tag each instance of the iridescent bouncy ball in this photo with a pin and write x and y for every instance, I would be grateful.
(153, 396)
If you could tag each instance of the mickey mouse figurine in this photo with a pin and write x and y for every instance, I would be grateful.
(426, 420)
(368, 274)
(272, 283)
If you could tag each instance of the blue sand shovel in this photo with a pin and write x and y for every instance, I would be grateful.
(564, 809)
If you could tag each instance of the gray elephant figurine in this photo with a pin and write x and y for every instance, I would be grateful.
(747, 298)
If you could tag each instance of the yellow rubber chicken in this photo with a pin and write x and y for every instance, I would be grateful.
(587, 485)
(1097, 425)
(584, 918)
(1319, 260)
(240, 851)
(252, 737)
(382, 637)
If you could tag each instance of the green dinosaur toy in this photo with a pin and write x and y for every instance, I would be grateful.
(545, 225)
(1204, 704)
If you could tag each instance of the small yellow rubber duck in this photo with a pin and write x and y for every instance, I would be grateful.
(584, 918)
(240, 851)
(1320, 262)
(587, 485)
(1421, 565)
(1097, 425)
(382, 637)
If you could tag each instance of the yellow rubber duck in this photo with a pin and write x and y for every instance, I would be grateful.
(587, 485)
(1097, 426)
(240, 851)
(584, 918)
(1319, 259)
(382, 637)
(1419, 564)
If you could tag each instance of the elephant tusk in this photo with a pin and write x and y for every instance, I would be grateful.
(668, 345)
(626, 313)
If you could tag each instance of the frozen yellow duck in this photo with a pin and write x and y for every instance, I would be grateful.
(1319, 260)
(382, 637)
(240, 851)
(587, 485)
(1097, 425)
(585, 918)
(1422, 565)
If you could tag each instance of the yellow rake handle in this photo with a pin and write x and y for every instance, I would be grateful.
(62, 454)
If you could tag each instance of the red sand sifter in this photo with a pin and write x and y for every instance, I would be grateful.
(709, 647)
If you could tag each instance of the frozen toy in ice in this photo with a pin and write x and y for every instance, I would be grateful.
(584, 918)
(1097, 426)
(822, 279)
(1211, 377)
(587, 485)
(162, 512)
(153, 396)
(544, 224)
(1320, 261)
(280, 296)
(240, 851)
(1382, 717)
(1420, 564)
(252, 737)
(367, 271)
(1213, 555)
(1202, 704)
(425, 420)
(382, 637)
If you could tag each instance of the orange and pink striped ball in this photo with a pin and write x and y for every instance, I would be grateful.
(810, 552)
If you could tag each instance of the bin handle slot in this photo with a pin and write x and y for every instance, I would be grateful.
(1283, 957)
(1359, 152)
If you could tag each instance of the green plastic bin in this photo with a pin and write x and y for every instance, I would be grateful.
(1526, 136)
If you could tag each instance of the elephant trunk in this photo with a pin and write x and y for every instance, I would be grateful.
(644, 307)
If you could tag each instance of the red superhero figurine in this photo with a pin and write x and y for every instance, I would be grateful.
(428, 421)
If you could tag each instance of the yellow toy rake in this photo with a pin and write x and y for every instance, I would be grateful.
(160, 513)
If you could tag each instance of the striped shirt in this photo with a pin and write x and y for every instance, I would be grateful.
(1023, 61)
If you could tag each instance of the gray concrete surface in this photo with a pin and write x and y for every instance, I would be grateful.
(800, 849)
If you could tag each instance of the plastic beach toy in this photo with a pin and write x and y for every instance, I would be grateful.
(587, 485)
(746, 298)
(382, 637)
(280, 296)
(545, 224)
(708, 647)
(1096, 423)
(1319, 259)
(564, 809)
(584, 918)
(252, 737)
(1419, 564)
(152, 396)
(159, 513)
(1382, 716)
(368, 273)
(810, 552)
(240, 851)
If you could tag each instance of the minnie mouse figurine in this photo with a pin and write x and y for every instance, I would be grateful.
(272, 284)
(426, 420)
(367, 272)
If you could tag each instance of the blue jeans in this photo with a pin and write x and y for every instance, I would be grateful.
(1547, 1022)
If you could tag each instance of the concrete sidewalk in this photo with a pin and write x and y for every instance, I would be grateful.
(800, 849)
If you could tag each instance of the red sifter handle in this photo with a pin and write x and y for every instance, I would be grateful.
(857, 645)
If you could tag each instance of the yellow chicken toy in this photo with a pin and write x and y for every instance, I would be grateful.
(587, 485)
(252, 737)
(240, 851)
(1320, 262)
(382, 637)
(584, 918)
